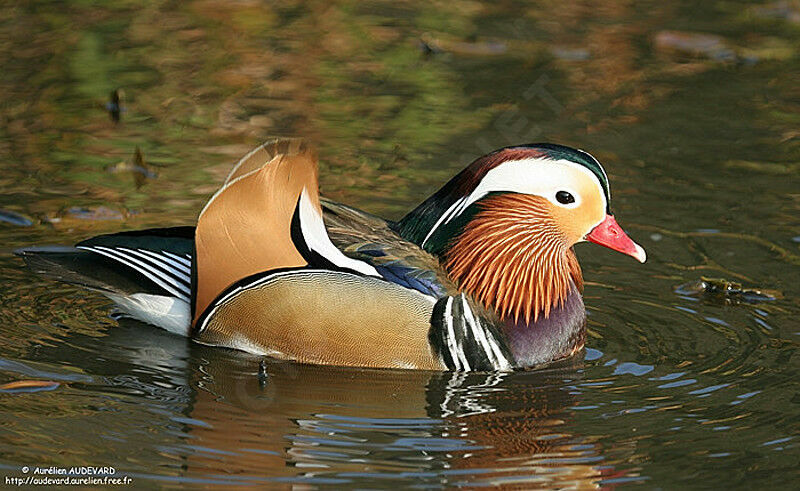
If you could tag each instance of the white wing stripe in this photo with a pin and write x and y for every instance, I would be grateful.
(151, 266)
(185, 271)
(451, 335)
(179, 279)
(186, 260)
(315, 234)
(148, 272)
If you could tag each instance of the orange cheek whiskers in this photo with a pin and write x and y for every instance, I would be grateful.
(513, 259)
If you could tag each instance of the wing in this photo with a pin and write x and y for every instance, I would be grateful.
(368, 238)
(279, 276)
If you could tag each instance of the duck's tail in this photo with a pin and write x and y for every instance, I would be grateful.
(147, 273)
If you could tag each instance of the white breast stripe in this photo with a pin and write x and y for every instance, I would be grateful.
(462, 356)
(451, 335)
(504, 363)
(182, 270)
(147, 271)
(493, 351)
(180, 280)
(187, 259)
(477, 332)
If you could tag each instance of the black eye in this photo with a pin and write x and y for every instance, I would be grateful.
(564, 197)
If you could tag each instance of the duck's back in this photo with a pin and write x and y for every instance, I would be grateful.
(369, 238)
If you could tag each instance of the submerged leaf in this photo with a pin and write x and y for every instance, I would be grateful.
(763, 167)
(15, 218)
(114, 105)
(138, 168)
(696, 44)
(78, 216)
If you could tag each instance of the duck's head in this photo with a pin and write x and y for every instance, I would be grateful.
(504, 227)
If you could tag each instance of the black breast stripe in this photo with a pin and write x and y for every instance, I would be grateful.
(464, 341)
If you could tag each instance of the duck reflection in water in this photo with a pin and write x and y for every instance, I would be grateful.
(315, 423)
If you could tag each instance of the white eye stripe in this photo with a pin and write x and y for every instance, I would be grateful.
(536, 176)
(540, 177)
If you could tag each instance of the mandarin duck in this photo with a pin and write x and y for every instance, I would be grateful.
(480, 276)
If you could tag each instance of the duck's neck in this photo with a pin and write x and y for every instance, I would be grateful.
(431, 224)
(512, 258)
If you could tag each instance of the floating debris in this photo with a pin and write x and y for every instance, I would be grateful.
(138, 168)
(695, 44)
(570, 54)
(776, 168)
(27, 386)
(97, 213)
(727, 291)
(427, 48)
(114, 105)
(768, 49)
(788, 11)
(80, 215)
(15, 218)
(399, 157)
(431, 45)
(263, 376)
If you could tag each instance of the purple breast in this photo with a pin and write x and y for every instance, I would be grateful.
(559, 335)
